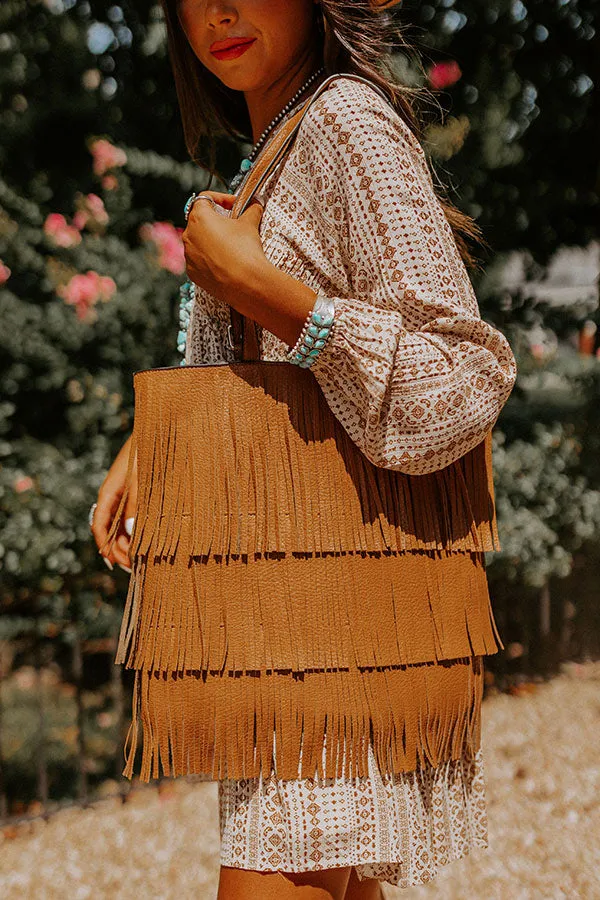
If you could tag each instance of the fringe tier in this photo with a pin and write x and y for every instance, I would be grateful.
(277, 472)
(204, 723)
(284, 586)
(302, 612)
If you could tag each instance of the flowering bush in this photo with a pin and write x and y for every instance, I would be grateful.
(88, 295)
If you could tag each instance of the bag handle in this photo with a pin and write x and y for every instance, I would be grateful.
(244, 334)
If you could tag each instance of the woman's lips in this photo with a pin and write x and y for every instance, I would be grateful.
(232, 52)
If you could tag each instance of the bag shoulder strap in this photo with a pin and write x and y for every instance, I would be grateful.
(243, 329)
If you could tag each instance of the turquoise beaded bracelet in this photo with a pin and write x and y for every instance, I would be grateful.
(317, 330)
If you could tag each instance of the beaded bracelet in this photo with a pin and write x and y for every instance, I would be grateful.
(318, 328)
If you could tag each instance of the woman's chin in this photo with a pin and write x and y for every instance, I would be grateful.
(243, 83)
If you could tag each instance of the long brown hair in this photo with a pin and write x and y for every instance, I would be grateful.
(355, 38)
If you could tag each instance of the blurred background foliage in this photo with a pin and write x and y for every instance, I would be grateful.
(93, 179)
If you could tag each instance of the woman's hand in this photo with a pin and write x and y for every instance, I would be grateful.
(221, 253)
(109, 495)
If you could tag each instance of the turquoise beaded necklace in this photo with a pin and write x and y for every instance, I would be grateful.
(187, 291)
(246, 163)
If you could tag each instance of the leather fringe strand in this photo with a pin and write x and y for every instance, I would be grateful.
(242, 724)
(276, 472)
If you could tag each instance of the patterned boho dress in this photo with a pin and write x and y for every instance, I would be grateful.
(412, 372)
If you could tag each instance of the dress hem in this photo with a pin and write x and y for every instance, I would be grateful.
(378, 869)
(398, 830)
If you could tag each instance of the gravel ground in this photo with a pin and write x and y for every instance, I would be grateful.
(543, 782)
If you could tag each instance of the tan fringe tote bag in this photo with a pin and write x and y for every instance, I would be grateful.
(291, 603)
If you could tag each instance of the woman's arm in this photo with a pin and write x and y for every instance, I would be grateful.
(414, 374)
(277, 301)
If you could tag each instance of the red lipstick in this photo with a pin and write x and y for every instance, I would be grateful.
(231, 48)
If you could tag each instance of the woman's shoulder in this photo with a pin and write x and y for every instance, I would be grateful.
(352, 105)
(346, 89)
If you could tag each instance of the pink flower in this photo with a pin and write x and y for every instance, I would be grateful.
(538, 351)
(90, 212)
(587, 337)
(167, 239)
(5, 273)
(444, 75)
(109, 183)
(79, 290)
(96, 207)
(106, 156)
(23, 484)
(106, 287)
(84, 290)
(25, 678)
(105, 719)
(59, 232)
(54, 222)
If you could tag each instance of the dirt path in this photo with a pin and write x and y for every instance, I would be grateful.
(543, 785)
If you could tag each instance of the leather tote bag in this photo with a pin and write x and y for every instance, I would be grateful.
(265, 541)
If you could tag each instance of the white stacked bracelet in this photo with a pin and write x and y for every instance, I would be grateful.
(317, 330)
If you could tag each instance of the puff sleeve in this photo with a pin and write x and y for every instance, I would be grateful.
(413, 373)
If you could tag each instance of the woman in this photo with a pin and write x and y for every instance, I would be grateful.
(416, 378)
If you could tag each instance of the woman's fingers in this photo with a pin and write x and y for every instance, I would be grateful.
(108, 502)
(121, 551)
(106, 506)
(109, 498)
(123, 542)
(226, 200)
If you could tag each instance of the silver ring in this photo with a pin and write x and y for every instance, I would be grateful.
(205, 197)
(192, 199)
(91, 514)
